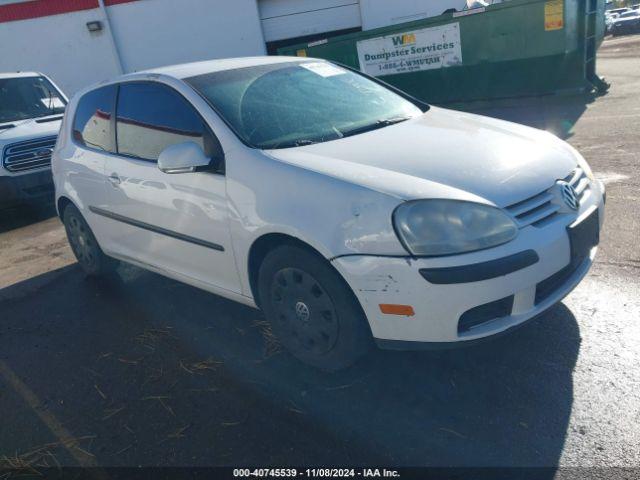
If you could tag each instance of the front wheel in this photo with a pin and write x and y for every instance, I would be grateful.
(312, 310)
(84, 244)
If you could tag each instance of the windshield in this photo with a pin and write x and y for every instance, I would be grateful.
(293, 104)
(28, 97)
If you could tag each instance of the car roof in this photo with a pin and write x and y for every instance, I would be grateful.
(186, 70)
(19, 74)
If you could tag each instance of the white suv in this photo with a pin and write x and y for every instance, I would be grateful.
(345, 209)
(31, 108)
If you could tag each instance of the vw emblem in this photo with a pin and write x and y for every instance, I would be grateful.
(569, 195)
(302, 312)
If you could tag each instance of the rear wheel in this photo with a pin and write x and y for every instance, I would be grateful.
(84, 244)
(311, 309)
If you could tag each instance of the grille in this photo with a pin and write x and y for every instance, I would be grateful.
(534, 210)
(28, 155)
(540, 209)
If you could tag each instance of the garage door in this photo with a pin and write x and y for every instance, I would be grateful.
(282, 19)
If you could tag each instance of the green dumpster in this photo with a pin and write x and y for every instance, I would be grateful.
(513, 49)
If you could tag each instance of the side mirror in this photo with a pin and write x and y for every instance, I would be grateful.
(183, 157)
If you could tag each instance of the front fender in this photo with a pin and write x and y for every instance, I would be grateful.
(331, 215)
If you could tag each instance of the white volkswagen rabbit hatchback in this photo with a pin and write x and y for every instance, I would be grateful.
(348, 211)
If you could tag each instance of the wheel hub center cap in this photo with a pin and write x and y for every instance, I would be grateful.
(302, 312)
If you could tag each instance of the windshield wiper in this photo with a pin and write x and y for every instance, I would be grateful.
(50, 99)
(381, 123)
(302, 143)
(298, 143)
(49, 118)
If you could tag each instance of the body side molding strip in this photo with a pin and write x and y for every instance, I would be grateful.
(154, 229)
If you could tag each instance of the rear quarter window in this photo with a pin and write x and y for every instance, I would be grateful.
(92, 124)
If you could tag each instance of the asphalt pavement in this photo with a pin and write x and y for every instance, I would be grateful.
(143, 370)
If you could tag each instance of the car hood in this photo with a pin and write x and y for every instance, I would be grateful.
(28, 129)
(444, 154)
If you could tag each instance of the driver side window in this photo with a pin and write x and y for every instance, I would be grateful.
(151, 117)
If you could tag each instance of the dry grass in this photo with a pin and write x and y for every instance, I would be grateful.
(452, 432)
(30, 463)
(152, 337)
(339, 387)
(129, 361)
(271, 344)
(121, 451)
(155, 376)
(110, 412)
(230, 424)
(179, 433)
(295, 408)
(100, 392)
(162, 400)
(200, 367)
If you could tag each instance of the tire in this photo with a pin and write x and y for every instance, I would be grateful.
(312, 310)
(85, 246)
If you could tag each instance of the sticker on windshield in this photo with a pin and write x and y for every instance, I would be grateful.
(323, 69)
(52, 102)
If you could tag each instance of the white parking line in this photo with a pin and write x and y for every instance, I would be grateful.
(68, 441)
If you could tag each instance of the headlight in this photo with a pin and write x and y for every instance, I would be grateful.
(445, 227)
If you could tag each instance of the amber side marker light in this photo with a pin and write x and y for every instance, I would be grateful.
(393, 309)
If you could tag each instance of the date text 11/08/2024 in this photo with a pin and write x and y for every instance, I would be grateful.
(315, 472)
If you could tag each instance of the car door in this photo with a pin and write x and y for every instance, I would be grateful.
(93, 135)
(174, 222)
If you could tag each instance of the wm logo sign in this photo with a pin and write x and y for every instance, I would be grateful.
(406, 39)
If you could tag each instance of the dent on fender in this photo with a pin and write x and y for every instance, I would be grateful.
(369, 229)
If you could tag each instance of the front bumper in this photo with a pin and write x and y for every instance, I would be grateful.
(25, 188)
(622, 29)
(440, 307)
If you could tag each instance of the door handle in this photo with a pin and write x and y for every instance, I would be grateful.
(114, 179)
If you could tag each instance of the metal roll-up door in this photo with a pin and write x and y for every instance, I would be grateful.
(284, 19)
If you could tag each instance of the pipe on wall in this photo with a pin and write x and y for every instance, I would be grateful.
(113, 42)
